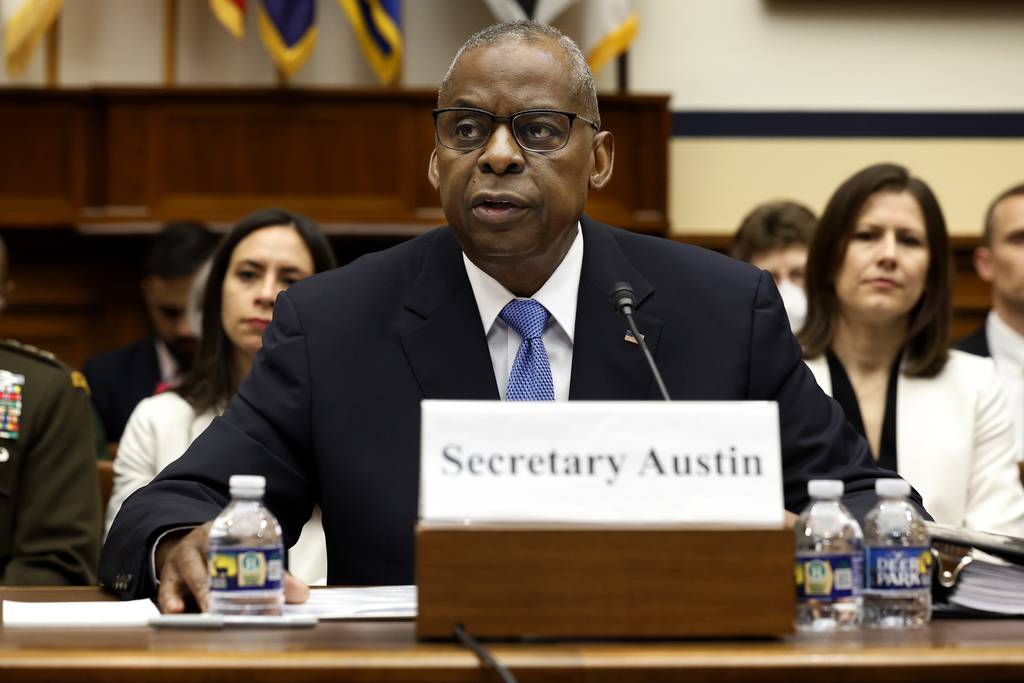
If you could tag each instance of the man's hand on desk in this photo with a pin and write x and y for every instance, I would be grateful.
(184, 575)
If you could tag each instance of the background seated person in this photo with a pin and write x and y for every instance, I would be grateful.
(1000, 262)
(50, 516)
(121, 378)
(330, 413)
(262, 256)
(775, 237)
(878, 286)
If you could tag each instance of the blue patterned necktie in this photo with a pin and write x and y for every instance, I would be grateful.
(530, 377)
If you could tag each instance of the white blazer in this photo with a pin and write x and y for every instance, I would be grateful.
(158, 432)
(955, 444)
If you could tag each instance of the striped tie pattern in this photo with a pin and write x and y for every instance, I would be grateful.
(530, 377)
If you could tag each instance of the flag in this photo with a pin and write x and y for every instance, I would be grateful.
(542, 11)
(25, 22)
(231, 13)
(378, 26)
(288, 30)
(607, 27)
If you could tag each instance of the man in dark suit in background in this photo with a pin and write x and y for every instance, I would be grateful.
(1000, 262)
(121, 378)
(331, 410)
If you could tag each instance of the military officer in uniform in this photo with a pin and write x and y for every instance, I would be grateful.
(50, 514)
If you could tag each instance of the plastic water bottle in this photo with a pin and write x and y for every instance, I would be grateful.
(899, 560)
(829, 562)
(245, 560)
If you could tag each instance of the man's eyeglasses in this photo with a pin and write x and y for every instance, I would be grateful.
(537, 130)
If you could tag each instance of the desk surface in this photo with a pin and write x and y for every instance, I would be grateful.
(948, 650)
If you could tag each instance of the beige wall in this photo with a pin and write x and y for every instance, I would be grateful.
(716, 181)
(903, 55)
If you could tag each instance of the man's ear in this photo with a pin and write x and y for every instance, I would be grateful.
(432, 175)
(604, 160)
(146, 285)
(983, 263)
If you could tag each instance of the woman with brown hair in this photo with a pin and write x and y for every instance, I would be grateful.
(879, 306)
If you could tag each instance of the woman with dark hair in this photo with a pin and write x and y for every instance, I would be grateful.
(879, 300)
(263, 255)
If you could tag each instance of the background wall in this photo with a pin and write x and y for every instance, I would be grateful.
(722, 56)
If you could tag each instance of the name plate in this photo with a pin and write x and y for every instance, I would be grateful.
(601, 462)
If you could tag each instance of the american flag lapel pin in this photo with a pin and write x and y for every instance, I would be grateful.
(631, 339)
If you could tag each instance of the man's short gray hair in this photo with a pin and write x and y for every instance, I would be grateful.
(581, 81)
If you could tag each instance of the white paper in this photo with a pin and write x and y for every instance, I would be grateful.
(78, 614)
(374, 602)
(617, 462)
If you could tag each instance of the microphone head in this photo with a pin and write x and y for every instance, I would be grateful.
(622, 296)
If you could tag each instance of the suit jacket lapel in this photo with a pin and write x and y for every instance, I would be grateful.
(443, 335)
(605, 366)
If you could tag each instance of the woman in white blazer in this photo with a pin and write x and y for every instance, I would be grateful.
(879, 306)
(264, 254)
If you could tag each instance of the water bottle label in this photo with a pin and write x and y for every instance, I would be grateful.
(246, 569)
(828, 576)
(899, 569)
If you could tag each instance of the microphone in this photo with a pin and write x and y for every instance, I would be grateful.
(624, 301)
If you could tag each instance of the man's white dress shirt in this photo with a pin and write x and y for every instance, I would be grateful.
(1007, 348)
(558, 295)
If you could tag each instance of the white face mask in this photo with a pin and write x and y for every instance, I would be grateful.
(795, 300)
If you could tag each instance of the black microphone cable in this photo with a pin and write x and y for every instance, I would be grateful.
(483, 654)
(624, 301)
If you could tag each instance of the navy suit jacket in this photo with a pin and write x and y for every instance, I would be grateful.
(330, 412)
(121, 378)
(976, 343)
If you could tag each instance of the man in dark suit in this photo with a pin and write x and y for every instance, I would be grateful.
(121, 378)
(330, 412)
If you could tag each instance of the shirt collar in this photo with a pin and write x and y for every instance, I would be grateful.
(166, 361)
(1005, 344)
(558, 294)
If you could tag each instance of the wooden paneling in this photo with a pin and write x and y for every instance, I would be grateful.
(343, 157)
(43, 159)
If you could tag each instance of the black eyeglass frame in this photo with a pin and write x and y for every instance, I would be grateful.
(571, 115)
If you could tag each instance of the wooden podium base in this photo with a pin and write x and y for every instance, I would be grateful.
(502, 581)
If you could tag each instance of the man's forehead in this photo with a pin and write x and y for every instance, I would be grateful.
(509, 64)
(1009, 215)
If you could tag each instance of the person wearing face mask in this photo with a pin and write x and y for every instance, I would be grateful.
(879, 307)
(775, 236)
(261, 257)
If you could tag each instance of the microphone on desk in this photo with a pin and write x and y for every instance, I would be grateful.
(624, 301)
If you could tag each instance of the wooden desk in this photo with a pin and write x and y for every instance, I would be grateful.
(387, 651)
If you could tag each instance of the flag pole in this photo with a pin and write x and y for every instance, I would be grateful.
(170, 42)
(622, 67)
(53, 54)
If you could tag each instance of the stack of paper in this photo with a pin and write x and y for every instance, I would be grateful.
(78, 614)
(990, 587)
(376, 602)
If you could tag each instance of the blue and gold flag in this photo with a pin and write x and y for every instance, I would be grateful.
(378, 26)
(288, 30)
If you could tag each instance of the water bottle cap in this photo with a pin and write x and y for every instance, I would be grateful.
(825, 488)
(892, 488)
(247, 484)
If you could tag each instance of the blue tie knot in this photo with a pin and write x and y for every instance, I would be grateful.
(526, 316)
